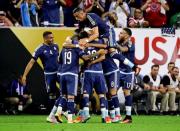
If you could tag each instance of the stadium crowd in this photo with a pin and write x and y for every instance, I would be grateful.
(57, 13)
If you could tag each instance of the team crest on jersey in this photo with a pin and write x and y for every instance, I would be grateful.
(45, 51)
(50, 52)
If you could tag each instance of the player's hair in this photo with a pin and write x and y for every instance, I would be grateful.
(170, 63)
(82, 34)
(46, 33)
(154, 66)
(175, 67)
(77, 10)
(128, 31)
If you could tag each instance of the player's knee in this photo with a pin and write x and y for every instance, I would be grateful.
(70, 97)
(113, 92)
(85, 95)
(29, 101)
(101, 95)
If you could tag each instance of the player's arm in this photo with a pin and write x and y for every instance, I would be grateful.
(98, 53)
(93, 36)
(99, 59)
(27, 69)
(122, 49)
(101, 46)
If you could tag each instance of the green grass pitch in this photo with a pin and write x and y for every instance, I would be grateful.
(38, 123)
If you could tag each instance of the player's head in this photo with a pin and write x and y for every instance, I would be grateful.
(170, 66)
(175, 72)
(79, 14)
(125, 34)
(48, 37)
(154, 70)
(113, 17)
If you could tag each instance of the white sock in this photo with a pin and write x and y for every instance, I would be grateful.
(53, 111)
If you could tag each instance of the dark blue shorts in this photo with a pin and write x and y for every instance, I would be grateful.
(69, 84)
(50, 80)
(126, 80)
(112, 79)
(96, 81)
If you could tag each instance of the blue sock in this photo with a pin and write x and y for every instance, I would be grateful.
(57, 101)
(128, 104)
(116, 105)
(64, 103)
(70, 106)
(103, 104)
(115, 101)
(110, 104)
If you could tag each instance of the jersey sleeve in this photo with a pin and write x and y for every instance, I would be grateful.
(92, 21)
(37, 53)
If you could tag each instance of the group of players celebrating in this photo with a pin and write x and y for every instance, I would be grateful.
(97, 48)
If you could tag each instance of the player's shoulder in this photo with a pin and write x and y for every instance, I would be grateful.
(40, 46)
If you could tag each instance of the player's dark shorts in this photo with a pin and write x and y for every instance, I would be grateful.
(126, 80)
(50, 80)
(112, 79)
(94, 80)
(69, 84)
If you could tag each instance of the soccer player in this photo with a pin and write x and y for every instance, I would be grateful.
(100, 30)
(68, 71)
(48, 53)
(126, 47)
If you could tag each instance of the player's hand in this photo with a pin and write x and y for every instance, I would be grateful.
(102, 52)
(23, 81)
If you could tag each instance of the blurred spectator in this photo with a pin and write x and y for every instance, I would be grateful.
(111, 19)
(25, 16)
(14, 11)
(4, 21)
(122, 10)
(152, 82)
(171, 82)
(170, 66)
(97, 7)
(138, 20)
(33, 7)
(18, 97)
(69, 19)
(155, 12)
(50, 12)
(175, 20)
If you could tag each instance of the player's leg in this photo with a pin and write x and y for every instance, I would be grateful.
(72, 84)
(101, 90)
(127, 86)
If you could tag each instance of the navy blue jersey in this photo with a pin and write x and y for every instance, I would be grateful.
(95, 67)
(69, 60)
(94, 20)
(108, 64)
(48, 55)
(130, 54)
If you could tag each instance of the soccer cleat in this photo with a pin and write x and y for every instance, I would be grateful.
(116, 119)
(51, 119)
(58, 118)
(81, 119)
(70, 121)
(127, 120)
(106, 120)
(78, 119)
(65, 114)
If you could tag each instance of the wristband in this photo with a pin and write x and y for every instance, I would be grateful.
(87, 40)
